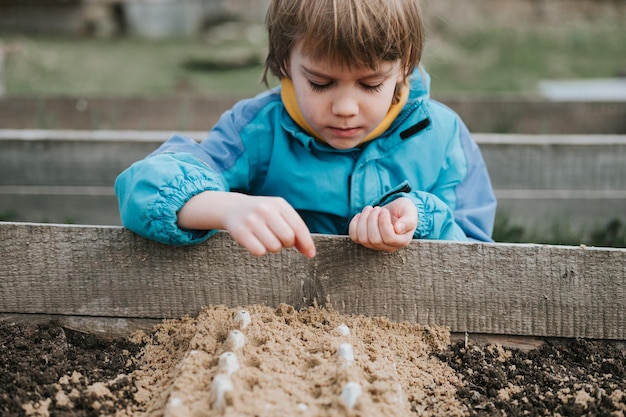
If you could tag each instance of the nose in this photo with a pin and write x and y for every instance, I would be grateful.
(345, 105)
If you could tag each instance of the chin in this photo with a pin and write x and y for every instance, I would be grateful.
(343, 145)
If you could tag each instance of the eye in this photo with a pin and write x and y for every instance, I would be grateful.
(372, 88)
(318, 88)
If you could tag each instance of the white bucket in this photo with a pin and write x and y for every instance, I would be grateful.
(164, 18)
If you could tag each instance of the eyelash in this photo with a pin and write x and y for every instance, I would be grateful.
(319, 88)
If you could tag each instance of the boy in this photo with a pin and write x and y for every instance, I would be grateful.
(350, 144)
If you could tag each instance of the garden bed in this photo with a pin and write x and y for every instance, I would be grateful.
(295, 363)
(438, 328)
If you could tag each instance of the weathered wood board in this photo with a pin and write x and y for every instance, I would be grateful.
(489, 114)
(507, 289)
(575, 182)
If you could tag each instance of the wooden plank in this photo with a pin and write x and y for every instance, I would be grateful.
(64, 207)
(523, 343)
(525, 162)
(510, 114)
(508, 289)
(514, 114)
(542, 182)
(71, 157)
(555, 162)
(104, 327)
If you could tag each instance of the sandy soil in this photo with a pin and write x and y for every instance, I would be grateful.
(296, 363)
(262, 361)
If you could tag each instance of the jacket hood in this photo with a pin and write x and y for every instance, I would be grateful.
(420, 84)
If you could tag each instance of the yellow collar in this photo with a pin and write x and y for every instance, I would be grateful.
(288, 95)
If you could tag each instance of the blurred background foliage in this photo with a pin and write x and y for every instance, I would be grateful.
(480, 47)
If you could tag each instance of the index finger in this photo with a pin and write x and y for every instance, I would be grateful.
(303, 239)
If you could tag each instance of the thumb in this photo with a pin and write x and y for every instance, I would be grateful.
(400, 227)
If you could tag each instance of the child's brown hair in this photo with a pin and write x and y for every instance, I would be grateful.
(355, 33)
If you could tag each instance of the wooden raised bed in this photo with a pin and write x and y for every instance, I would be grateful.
(577, 182)
(109, 280)
(482, 114)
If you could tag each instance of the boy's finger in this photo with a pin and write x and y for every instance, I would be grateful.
(269, 239)
(303, 239)
(307, 248)
(352, 228)
(400, 227)
(362, 226)
(385, 227)
(373, 226)
(252, 245)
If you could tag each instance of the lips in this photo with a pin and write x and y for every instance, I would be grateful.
(345, 132)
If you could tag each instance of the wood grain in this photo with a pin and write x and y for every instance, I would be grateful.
(506, 289)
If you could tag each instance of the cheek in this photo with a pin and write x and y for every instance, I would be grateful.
(378, 106)
(311, 106)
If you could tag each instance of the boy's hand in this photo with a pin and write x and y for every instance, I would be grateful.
(268, 224)
(385, 228)
(259, 224)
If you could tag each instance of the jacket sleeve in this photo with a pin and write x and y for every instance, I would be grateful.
(461, 206)
(475, 208)
(435, 219)
(152, 191)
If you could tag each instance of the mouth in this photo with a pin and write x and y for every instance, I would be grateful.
(345, 132)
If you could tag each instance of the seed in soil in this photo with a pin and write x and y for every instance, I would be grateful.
(243, 318)
(350, 394)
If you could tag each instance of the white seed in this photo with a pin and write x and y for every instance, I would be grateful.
(302, 407)
(242, 317)
(350, 394)
(235, 340)
(346, 353)
(343, 330)
(228, 363)
(399, 394)
(175, 408)
(221, 385)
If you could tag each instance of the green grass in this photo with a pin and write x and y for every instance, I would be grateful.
(120, 67)
(503, 60)
(483, 60)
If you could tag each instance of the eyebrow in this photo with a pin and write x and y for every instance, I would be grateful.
(376, 74)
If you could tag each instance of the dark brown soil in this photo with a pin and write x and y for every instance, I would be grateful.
(68, 373)
(572, 378)
(49, 367)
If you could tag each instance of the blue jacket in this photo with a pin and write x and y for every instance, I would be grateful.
(426, 154)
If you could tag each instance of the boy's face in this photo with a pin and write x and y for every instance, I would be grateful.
(343, 105)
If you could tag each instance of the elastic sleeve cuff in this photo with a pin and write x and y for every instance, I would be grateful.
(163, 220)
(153, 190)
